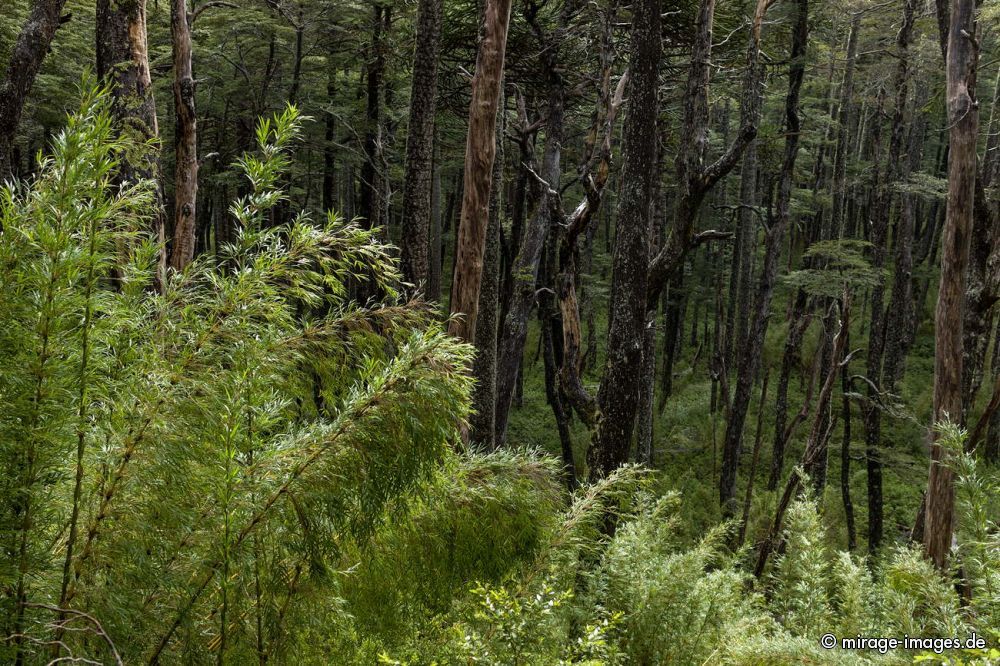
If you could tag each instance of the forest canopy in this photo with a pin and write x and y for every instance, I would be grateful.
(536, 332)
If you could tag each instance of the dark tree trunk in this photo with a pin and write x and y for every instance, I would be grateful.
(992, 443)
(751, 352)
(370, 205)
(673, 322)
(329, 150)
(879, 239)
(122, 62)
(963, 117)
(845, 453)
(434, 253)
(25, 61)
(754, 459)
(695, 178)
(417, 177)
(551, 356)
(901, 319)
(618, 394)
(797, 326)
(836, 220)
(524, 270)
(818, 436)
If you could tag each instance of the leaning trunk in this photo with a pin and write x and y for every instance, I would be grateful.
(25, 62)
(480, 150)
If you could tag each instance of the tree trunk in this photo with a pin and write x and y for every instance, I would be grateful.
(25, 61)
(329, 149)
(879, 239)
(370, 208)
(754, 459)
(836, 221)
(185, 140)
(963, 119)
(524, 270)
(417, 177)
(695, 179)
(123, 62)
(484, 367)
(992, 443)
(751, 352)
(845, 453)
(434, 253)
(618, 393)
(480, 150)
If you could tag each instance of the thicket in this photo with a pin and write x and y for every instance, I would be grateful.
(237, 463)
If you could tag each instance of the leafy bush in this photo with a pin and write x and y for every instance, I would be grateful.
(182, 461)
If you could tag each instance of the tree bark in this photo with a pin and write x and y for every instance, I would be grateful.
(25, 62)
(879, 240)
(185, 140)
(123, 63)
(418, 175)
(371, 207)
(963, 119)
(484, 368)
(329, 149)
(750, 358)
(480, 150)
(524, 270)
(618, 394)
(435, 250)
(836, 220)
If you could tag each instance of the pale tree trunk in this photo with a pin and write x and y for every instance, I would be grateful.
(963, 119)
(618, 394)
(186, 140)
(417, 179)
(25, 61)
(484, 368)
(480, 151)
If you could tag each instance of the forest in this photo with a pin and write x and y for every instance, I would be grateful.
(505, 332)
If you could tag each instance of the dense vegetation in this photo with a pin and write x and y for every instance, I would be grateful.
(579, 333)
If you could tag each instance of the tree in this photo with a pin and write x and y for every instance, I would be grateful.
(963, 121)
(419, 169)
(618, 395)
(185, 140)
(879, 318)
(750, 358)
(123, 63)
(372, 172)
(480, 150)
(29, 51)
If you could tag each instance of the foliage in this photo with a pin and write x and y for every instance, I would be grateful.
(212, 448)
